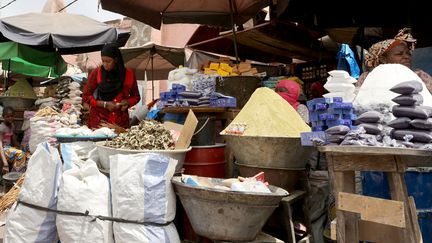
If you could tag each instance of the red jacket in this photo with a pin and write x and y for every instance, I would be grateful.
(129, 92)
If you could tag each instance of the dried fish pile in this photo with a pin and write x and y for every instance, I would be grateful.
(148, 135)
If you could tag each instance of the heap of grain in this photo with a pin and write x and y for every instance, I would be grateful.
(267, 114)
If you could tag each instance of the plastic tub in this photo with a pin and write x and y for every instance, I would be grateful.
(104, 153)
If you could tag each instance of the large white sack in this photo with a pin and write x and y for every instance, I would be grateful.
(141, 190)
(125, 233)
(84, 189)
(375, 94)
(40, 187)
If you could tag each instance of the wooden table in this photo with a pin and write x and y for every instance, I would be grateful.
(343, 161)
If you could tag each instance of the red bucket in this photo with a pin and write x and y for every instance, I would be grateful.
(208, 161)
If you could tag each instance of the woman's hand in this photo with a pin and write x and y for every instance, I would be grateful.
(111, 106)
(124, 105)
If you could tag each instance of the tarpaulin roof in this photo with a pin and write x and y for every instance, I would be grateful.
(206, 12)
(66, 32)
(29, 61)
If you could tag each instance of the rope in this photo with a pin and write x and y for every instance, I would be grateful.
(94, 217)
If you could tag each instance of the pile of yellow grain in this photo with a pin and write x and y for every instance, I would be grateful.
(21, 89)
(267, 114)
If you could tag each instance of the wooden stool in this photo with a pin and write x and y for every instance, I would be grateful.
(381, 220)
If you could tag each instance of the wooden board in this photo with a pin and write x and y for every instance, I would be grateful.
(374, 150)
(383, 211)
(194, 109)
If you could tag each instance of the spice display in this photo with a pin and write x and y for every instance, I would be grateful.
(21, 89)
(268, 114)
(148, 135)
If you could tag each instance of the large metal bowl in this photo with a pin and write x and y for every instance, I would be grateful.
(105, 152)
(270, 152)
(17, 103)
(227, 215)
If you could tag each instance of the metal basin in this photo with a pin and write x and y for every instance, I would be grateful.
(105, 152)
(227, 215)
(271, 152)
(17, 103)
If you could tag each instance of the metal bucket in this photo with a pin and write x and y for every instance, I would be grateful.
(208, 161)
(271, 152)
(227, 215)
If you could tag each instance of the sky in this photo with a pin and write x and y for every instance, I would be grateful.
(84, 7)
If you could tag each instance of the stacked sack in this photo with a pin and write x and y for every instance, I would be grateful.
(371, 122)
(413, 122)
(340, 84)
(70, 101)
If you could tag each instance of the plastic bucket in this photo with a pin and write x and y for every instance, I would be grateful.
(204, 134)
(207, 161)
(419, 186)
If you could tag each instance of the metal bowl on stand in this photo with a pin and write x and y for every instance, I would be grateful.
(17, 103)
(270, 152)
(227, 215)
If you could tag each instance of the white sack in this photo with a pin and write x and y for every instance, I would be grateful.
(40, 186)
(84, 189)
(125, 233)
(141, 191)
(375, 94)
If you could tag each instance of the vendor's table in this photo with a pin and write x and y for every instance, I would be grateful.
(343, 161)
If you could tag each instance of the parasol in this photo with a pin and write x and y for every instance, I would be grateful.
(154, 60)
(64, 32)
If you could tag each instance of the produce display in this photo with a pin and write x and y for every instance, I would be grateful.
(148, 135)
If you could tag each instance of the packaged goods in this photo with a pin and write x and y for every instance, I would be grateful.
(409, 99)
(425, 124)
(421, 112)
(369, 117)
(408, 87)
(400, 123)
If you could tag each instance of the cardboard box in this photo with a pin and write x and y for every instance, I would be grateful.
(184, 132)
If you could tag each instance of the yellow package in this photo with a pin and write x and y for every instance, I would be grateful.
(214, 66)
(222, 72)
(226, 67)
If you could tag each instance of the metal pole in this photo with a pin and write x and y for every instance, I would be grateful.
(233, 30)
(152, 77)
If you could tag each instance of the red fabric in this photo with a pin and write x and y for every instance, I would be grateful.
(129, 92)
(292, 94)
(317, 90)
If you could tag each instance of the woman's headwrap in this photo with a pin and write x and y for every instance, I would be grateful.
(112, 81)
(378, 49)
(292, 94)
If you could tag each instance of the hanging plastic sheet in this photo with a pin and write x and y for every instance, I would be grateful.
(347, 61)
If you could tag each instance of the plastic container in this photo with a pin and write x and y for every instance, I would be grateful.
(419, 186)
(205, 132)
(208, 161)
(104, 153)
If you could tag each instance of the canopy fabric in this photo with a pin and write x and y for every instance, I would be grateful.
(29, 61)
(165, 59)
(206, 12)
(58, 30)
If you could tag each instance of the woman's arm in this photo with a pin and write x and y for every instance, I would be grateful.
(90, 88)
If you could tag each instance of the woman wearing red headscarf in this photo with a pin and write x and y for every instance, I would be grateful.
(290, 91)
